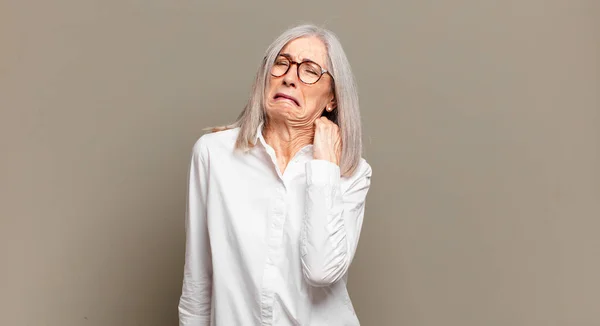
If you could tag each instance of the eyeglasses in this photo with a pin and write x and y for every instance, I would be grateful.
(308, 72)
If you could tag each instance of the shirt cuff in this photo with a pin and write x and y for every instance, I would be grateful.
(322, 172)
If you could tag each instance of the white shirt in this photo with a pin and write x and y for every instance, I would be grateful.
(265, 248)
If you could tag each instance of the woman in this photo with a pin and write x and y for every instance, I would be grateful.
(276, 200)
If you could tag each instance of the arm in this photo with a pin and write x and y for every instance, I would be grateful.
(332, 222)
(195, 300)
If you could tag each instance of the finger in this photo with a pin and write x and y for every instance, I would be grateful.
(327, 121)
(331, 125)
(322, 124)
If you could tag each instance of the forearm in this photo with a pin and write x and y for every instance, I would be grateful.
(195, 304)
(325, 249)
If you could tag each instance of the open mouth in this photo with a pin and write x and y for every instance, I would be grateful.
(281, 96)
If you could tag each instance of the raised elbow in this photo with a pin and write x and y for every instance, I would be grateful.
(322, 276)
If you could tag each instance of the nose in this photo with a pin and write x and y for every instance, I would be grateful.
(291, 76)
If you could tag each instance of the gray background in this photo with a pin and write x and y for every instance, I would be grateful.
(482, 124)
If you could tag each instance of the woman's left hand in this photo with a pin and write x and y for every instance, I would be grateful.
(327, 144)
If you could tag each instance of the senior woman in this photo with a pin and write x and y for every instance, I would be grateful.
(276, 200)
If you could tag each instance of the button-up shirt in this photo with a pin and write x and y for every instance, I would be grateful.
(265, 247)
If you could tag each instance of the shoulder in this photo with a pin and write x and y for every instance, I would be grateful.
(364, 166)
(360, 178)
(215, 143)
(363, 169)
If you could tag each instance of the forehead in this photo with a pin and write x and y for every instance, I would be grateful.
(311, 48)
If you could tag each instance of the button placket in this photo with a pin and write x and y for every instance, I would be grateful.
(274, 253)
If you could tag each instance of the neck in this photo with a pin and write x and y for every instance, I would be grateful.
(287, 140)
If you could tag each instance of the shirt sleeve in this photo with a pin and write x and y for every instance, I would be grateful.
(195, 300)
(332, 222)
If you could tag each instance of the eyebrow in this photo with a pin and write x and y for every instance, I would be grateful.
(289, 56)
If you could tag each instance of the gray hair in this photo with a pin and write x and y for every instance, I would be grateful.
(346, 115)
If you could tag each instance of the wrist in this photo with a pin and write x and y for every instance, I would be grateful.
(328, 157)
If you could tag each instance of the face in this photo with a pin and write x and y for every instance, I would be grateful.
(293, 101)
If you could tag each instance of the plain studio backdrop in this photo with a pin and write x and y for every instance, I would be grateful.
(481, 121)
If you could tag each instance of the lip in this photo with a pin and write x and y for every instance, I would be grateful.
(285, 96)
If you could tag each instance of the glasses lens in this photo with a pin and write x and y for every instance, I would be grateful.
(309, 72)
(280, 66)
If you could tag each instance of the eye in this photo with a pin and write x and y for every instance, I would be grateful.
(281, 62)
(311, 69)
(313, 72)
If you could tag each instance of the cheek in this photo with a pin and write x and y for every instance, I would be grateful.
(318, 98)
(268, 88)
(269, 93)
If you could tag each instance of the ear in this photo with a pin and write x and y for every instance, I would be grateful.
(332, 103)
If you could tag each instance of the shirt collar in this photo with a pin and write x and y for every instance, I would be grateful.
(259, 133)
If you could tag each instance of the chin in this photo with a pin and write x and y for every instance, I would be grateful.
(283, 108)
(284, 114)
